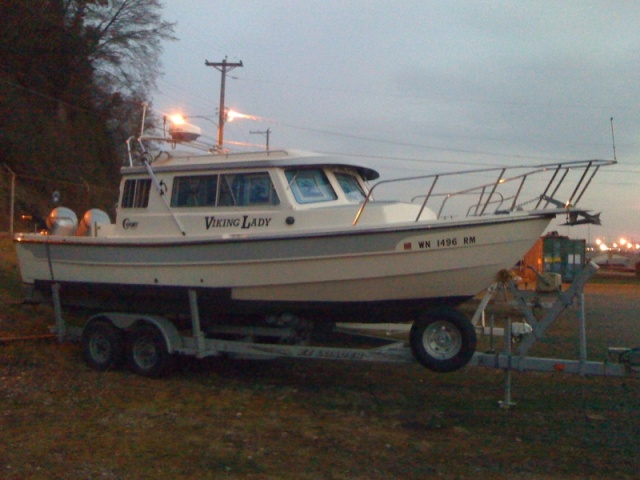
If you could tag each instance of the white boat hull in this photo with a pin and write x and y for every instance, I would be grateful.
(360, 270)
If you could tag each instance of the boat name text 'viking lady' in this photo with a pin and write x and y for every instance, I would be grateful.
(245, 222)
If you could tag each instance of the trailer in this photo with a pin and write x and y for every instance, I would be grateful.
(148, 342)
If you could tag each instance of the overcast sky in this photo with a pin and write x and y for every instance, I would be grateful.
(432, 85)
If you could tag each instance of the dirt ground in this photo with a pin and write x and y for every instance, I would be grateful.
(320, 420)
(613, 313)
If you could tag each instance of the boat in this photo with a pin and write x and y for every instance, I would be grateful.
(266, 237)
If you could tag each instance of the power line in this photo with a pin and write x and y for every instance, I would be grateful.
(48, 97)
(428, 147)
(457, 100)
(51, 180)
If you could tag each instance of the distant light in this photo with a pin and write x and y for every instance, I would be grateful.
(598, 241)
(603, 247)
(623, 241)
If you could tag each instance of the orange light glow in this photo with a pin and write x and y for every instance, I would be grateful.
(177, 119)
(232, 115)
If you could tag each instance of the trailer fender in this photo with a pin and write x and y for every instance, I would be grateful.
(126, 321)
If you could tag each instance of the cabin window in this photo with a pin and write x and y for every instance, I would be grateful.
(136, 193)
(194, 191)
(350, 186)
(229, 190)
(244, 189)
(310, 186)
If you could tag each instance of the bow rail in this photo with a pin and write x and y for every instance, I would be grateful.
(509, 188)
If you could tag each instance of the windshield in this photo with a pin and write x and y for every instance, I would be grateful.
(350, 186)
(310, 185)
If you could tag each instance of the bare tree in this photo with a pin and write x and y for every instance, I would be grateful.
(123, 39)
(73, 76)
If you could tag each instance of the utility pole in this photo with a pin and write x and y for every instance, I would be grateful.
(223, 67)
(267, 132)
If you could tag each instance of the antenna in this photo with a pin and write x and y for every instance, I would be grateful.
(613, 138)
(144, 117)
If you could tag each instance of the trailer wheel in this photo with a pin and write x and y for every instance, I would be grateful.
(102, 345)
(443, 340)
(148, 354)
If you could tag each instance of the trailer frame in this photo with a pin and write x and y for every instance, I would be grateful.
(621, 362)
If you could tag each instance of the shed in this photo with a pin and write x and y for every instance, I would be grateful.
(556, 254)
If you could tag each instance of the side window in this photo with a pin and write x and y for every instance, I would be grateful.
(227, 194)
(350, 186)
(260, 190)
(194, 191)
(136, 193)
(310, 186)
(243, 189)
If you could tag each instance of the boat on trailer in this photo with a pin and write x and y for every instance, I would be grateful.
(299, 241)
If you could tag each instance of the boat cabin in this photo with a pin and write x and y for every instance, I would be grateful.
(244, 194)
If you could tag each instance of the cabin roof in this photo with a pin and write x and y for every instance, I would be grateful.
(181, 162)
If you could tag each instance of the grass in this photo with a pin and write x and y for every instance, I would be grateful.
(314, 420)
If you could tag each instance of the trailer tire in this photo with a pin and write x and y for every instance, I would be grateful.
(147, 351)
(443, 340)
(102, 345)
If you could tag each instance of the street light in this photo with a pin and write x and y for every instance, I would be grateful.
(180, 130)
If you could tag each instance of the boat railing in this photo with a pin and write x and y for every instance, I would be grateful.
(516, 188)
